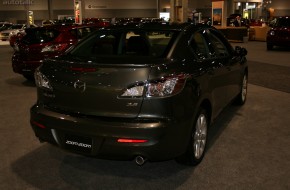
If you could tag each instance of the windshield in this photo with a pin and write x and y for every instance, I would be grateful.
(39, 35)
(125, 43)
(16, 27)
(283, 22)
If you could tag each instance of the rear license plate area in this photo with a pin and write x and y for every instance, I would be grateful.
(78, 143)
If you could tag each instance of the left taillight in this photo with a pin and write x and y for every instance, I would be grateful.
(41, 80)
(162, 87)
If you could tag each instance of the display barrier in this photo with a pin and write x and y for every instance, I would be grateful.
(235, 34)
(258, 33)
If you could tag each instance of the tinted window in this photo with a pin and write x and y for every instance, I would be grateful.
(217, 47)
(80, 33)
(39, 35)
(283, 22)
(199, 46)
(125, 43)
(16, 26)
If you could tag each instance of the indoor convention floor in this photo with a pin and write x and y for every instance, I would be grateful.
(248, 147)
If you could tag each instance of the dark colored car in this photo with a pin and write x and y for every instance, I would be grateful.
(15, 37)
(44, 42)
(279, 34)
(145, 92)
(99, 22)
(5, 26)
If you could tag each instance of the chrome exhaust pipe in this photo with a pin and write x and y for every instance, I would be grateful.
(140, 160)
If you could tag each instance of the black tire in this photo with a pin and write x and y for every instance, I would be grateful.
(198, 140)
(270, 46)
(242, 96)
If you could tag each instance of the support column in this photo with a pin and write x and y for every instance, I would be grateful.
(172, 11)
(184, 10)
(178, 10)
(27, 14)
(50, 9)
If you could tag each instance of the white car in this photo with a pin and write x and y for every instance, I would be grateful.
(14, 29)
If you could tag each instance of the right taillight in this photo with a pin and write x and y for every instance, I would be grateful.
(166, 86)
(55, 48)
(162, 87)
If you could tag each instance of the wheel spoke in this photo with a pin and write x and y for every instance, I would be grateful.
(199, 139)
(244, 88)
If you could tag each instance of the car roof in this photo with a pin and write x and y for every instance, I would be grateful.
(160, 26)
(59, 27)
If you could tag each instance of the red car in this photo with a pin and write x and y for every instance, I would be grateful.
(45, 42)
(15, 37)
(279, 34)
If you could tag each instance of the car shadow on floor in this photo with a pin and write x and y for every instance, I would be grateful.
(48, 167)
(221, 123)
(20, 81)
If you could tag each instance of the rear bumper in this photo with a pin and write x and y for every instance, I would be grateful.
(166, 139)
(278, 41)
(24, 67)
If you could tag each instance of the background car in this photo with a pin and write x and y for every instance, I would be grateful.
(44, 42)
(4, 35)
(5, 25)
(17, 34)
(13, 38)
(279, 34)
(146, 92)
(98, 22)
(47, 23)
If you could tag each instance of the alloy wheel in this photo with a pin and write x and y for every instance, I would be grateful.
(199, 137)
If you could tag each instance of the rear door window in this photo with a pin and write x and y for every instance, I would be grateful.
(199, 46)
(218, 49)
(80, 33)
(39, 35)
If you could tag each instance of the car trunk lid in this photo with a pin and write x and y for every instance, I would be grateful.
(95, 88)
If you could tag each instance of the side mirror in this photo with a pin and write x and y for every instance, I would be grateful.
(241, 51)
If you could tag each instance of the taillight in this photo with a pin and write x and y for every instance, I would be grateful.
(162, 87)
(136, 90)
(41, 80)
(38, 124)
(55, 47)
(166, 86)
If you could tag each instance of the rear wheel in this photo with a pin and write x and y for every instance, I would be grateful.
(198, 139)
(242, 96)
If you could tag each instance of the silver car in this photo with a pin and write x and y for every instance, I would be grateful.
(4, 35)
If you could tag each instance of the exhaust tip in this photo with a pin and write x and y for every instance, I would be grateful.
(140, 160)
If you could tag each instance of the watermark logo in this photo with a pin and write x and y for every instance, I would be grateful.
(18, 2)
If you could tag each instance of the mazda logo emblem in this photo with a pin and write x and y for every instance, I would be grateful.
(80, 86)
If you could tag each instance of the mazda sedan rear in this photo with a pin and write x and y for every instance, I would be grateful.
(146, 92)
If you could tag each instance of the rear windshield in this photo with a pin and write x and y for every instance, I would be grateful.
(283, 22)
(125, 43)
(39, 35)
